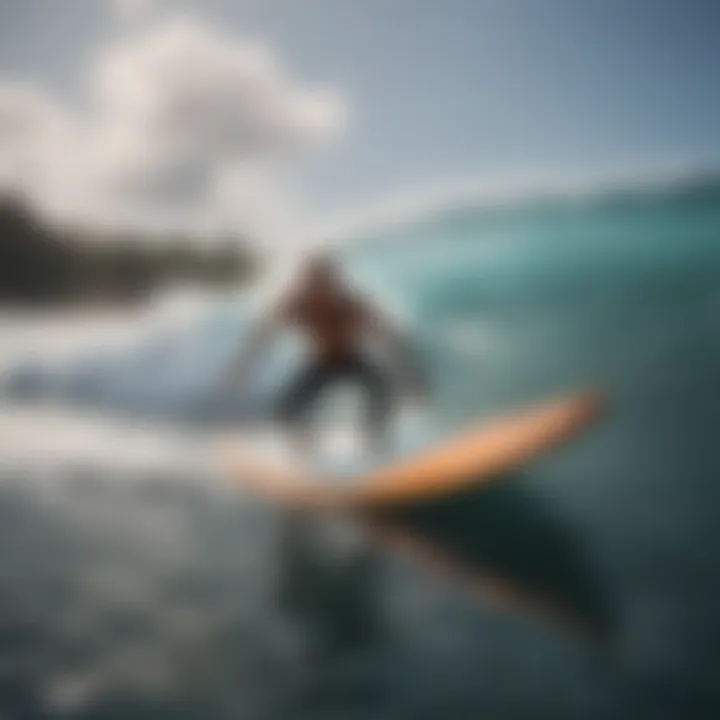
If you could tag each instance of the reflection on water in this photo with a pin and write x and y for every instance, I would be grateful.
(329, 582)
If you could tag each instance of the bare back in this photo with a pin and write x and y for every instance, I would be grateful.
(335, 322)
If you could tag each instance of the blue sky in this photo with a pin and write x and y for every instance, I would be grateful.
(464, 88)
(452, 89)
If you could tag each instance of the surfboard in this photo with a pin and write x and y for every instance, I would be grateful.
(444, 506)
(476, 457)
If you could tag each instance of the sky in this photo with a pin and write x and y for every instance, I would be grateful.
(246, 111)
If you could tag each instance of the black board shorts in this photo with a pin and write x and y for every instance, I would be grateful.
(305, 388)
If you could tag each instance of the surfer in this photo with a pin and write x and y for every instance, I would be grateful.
(336, 599)
(337, 325)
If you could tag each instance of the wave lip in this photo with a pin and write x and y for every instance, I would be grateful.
(513, 194)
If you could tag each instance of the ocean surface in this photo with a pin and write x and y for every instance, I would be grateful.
(134, 583)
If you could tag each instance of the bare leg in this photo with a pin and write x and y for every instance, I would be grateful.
(379, 406)
(332, 598)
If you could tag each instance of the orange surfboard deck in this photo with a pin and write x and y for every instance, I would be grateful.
(476, 457)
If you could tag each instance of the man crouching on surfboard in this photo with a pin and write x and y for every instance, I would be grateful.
(337, 325)
(337, 600)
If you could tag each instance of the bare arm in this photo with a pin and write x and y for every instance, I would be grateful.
(254, 346)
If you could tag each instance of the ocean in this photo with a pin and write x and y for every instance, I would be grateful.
(149, 588)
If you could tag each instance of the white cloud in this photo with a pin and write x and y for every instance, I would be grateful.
(184, 123)
(33, 132)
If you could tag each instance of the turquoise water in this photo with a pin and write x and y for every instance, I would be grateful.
(514, 303)
(510, 305)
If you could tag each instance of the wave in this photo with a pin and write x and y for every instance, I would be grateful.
(404, 213)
